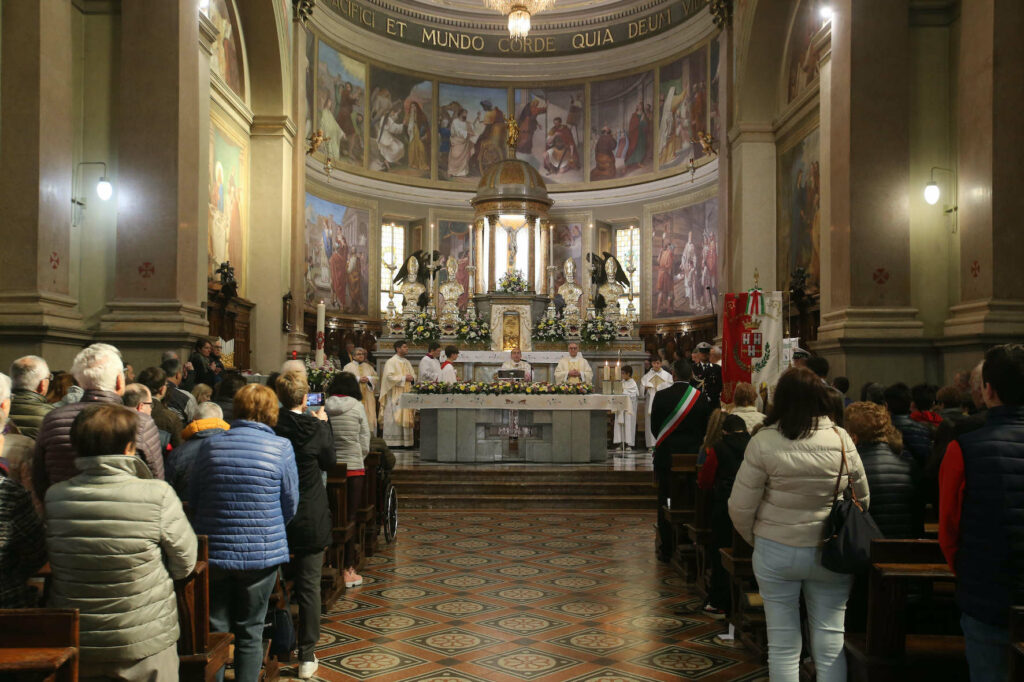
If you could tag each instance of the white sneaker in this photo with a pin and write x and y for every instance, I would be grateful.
(308, 668)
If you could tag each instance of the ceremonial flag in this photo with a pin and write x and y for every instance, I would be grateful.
(752, 342)
(679, 413)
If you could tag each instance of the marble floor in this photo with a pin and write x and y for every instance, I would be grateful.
(536, 596)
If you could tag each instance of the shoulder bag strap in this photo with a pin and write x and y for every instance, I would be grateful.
(849, 474)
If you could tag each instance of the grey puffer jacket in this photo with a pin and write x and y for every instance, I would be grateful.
(108, 531)
(351, 431)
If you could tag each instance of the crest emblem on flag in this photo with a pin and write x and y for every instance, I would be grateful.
(752, 352)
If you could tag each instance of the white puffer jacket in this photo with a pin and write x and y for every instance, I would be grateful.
(351, 430)
(108, 532)
(783, 491)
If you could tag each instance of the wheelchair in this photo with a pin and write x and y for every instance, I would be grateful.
(387, 504)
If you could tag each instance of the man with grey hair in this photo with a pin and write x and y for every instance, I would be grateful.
(138, 398)
(209, 422)
(293, 366)
(182, 403)
(30, 376)
(98, 369)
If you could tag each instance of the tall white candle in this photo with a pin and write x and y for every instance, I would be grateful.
(321, 318)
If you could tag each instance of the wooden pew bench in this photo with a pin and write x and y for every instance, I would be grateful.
(201, 653)
(343, 529)
(39, 643)
(888, 652)
(699, 535)
(683, 496)
(746, 607)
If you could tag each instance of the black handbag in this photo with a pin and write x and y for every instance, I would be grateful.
(849, 529)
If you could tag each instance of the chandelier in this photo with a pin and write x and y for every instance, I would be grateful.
(519, 13)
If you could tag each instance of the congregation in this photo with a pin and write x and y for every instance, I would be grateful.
(84, 463)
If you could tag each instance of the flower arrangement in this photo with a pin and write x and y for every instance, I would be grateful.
(549, 329)
(501, 388)
(321, 376)
(422, 327)
(473, 331)
(513, 282)
(598, 331)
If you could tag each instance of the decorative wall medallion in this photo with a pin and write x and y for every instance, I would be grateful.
(146, 270)
(54, 260)
(880, 275)
(975, 269)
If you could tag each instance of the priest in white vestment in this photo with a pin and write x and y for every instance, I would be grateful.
(430, 366)
(448, 373)
(389, 140)
(367, 377)
(517, 362)
(652, 382)
(573, 368)
(397, 379)
(462, 146)
(625, 422)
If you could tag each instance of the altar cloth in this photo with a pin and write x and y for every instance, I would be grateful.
(517, 401)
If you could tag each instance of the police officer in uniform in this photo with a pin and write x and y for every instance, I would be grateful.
(708, 376)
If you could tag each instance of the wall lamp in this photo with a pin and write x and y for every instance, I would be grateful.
(932, 193)
(104, 190)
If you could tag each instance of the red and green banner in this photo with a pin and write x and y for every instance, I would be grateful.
(751, 341)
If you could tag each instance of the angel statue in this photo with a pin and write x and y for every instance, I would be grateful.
(612, 284)
(570, 292)
(316, 140)
(413, 279)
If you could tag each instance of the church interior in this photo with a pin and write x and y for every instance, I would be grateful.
(498, 215)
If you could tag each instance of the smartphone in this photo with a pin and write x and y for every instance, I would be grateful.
(314, 399)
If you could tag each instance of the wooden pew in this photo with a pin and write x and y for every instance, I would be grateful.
(1017, 644)
(39, 644)
(699, 535)
(366, 517)
(888, 652)
(343, 529)
(746, 612)
(201, 653)
(683, 496)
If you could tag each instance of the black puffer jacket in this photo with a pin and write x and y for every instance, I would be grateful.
(309, 531)
(917, 437)
(896, 504)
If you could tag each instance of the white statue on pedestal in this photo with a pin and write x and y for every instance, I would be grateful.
(570, 293)
(451, 291)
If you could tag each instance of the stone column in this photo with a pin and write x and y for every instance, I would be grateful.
(38, 314)
(157, 295)
(868, 327)
(752, 236)
(297, 339)
(990, 135)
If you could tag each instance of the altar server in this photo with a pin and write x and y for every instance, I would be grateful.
(625, 422)
(430, 366)
(573, 369)
(448, 375)
(367, 376)
(652, 382)
(398, 379)
(517, 362)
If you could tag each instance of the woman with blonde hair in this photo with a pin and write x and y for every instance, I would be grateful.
(744, 398)
(202, 393)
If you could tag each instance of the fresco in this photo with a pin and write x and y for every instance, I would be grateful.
(567, 242)
(471, 130)
(337, 256)
(799, 221)
(551, 131)
(622, 126)
(312, 114)
(453, 242)
(227, 60)
(683, 109)
(401, 107)
(341, 103)
(685, 260)
(802, 58)
(228, 201)
(713, 90)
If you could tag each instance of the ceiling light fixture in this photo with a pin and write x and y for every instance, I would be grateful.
(519, 13)
(825, 12)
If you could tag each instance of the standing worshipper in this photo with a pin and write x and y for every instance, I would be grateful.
(398, 379)
(573, 369)
(430, 366)
(367, 376)
(625, 423)
(655, 380)
(679, 419)
(708, 375)
(448, 375)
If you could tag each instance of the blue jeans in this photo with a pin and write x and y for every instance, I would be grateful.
(238, 604)
(987, 648)
(782, 572)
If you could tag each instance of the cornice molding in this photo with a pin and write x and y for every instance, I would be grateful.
(97, 6)
(207, 33)
(273, 126)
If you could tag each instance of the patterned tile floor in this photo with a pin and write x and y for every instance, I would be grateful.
(496, 596)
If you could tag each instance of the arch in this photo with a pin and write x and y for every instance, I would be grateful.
(267, 56)
(763, 37)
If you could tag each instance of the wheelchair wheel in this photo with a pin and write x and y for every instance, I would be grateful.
(390, 513)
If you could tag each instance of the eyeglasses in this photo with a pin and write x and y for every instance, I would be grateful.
(147, 403)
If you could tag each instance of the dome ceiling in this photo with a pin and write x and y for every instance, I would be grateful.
(562, 9)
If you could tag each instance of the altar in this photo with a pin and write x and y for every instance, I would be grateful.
(546, 429)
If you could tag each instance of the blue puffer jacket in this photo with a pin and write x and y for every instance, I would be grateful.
(917, 437)
(243, 490)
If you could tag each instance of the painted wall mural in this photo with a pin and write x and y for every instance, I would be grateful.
(401, 107)
(227, 60)
(567, 242)
(341, 102)
(684, 257)
(228, 200)
(802, 58)
(551, 131)
(799, 200)
(622, 126)
(713, 90)
(312, 113)
(337, 256)
(683, 109)
(471, 131)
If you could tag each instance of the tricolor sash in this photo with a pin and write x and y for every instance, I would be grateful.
(679, 413)
(755, 301)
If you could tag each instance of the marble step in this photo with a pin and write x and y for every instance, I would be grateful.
(524, 501)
